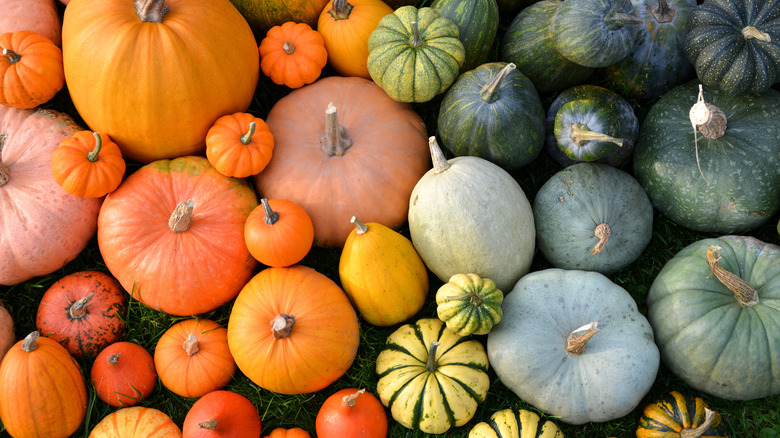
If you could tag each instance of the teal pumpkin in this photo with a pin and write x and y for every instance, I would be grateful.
(477, 22)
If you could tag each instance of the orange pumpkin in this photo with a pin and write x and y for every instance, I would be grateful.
(39, 16)
(176, 66)
(173, 235)
(293, 54)
(239, 145)
(345, 26)
(222, 414)
(136, 421)
(123, 374)
(192, 358)
(48, 397)
(88, 164)
(30, 69)
(351, 413)
(373, 152)
(295, 432)
(292, 330)
(278, 233)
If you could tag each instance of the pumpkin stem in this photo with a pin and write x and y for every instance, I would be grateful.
(359, 226)
(5, 173)
(580, 134)
(181, 218)
(745, 294)
(79, 308)
(616, 20)
(288, 47)
(114, 358)
(474, 298)
(30, 342)
(271, 217)
(709, 416)
(603, 232)
(440, 164)
(340, 10)
(151, 11)
(247, 138)
(662, 12)
(282, 325)
(489, 93)
(431, 364)
(576, 341)
(210, 424)
(750, 32)
(416, 42)
(93, 155)
(350, 400)
(191, 345)
(709, 120)
(335, 141)
(11, 55)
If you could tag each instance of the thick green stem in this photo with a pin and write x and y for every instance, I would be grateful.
(489, 93)
(417, 40)
(271, 217)
(247, 137)
(151, 11)
(745, 294)
(580, 134)
(751, 32)
(576, 341)
(616, 20)
(431, 364)
(340, 10)
(335, 140)
(93, 155)
(662, 12)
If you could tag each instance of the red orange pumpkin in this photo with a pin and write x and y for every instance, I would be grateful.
(123, 374)
(278, 232)
(351, 413)
(30, 69)
(293, 54)
(295, 432)
(222, 414)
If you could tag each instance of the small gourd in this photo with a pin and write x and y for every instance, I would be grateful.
(469, 304)
(515, 423)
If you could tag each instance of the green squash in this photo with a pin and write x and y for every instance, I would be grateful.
(735, 44)
(265, 14)
(714, 310)
(716, 184)
(495, 113)
(675, 415)
(529, 44)
(469, 304)
(477, 22)
(414, 54)
(515, 423)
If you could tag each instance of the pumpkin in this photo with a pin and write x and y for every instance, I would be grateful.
(30, 69)
(612, 234)
(678, 416)
(724, 176)
(84, 311)
(595, 33)
(239, 145)
(39, 16)
(515, 423)
(351, 413)
(469, 304)
(222, 414)
(48, 397)
(192, 358)
(477, 22)
(293, 54)
(136, 422)
(495, 113)
(430, 378)
(360, 156)
(733, 45)
(173, 235)
(295, 432)
(415, 54)
(7, 333)
(44, 226)
(88, 164)
(382, 274)
(707, 308)
(574, 345)
(469, 215)
(292, 330)
(123, 374)
(278, 232)
(345, 26)
(158, 97)
(262, 15)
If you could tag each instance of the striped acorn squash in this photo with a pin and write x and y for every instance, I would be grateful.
(431, 378)
(676, 416)
(477, 22)
(515, 423)
(469, 304)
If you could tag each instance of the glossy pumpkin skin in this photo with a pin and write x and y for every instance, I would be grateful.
(45, 227)
(39, 16)
(138, 245)
(30, 69)
(477, 22)
(469, 304)
(705, 335)
(295, 432)
(515, 423)
(136, 422)
(88, 164)
(673, 413)
(156, 109)
(7, 333)
(592, 217)
(727, 59)
(263, 14)
(222, 414)
(293, 54)
(300, 356)
(236, 147)
(503, 124)
(740, 189)
(123, 374)
(278, 232)
(351, 413)
(412, 69)
(431, 393)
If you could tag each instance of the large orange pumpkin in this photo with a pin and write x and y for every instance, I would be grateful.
(136, 422)
(173, 235)
(39, 16)
(155, 74)
(360, 157)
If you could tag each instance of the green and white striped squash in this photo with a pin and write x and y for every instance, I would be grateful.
(469, 304)
(430, 378)
(515, 423)
(477, 22)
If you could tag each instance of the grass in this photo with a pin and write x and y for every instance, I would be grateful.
(757, 418)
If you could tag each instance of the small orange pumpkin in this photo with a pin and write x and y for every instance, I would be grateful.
(222, 414)
(123, 374)
(31, 71)
(88, 164)
(293, 54)
(278, 232)
(136, 421)
(295, 432)
(351, 413)
(239, 145)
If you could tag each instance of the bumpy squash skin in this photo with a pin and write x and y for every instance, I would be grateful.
(675, 412)
(477, 22)
(469, 304)
(515, 423)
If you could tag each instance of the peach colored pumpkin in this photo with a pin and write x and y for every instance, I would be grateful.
(136, 422)
(39, 16)
(7, 334)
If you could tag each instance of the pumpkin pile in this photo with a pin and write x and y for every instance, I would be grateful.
(370, 219)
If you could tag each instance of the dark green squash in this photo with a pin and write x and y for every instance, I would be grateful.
(265, 14)
(493, 112)
(675, 415)
(477, 22)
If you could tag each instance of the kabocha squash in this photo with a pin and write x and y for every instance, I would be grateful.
(123, 374)
(88, 164)
(292, 330)
(574, 345)
(431, 378)
(707, 307)
(48, 397)
(262, 15)
(278, 233)
(157, 97)
(515, 423)
(415, 54)
(469, 304)
(678, 416)
(493, 112)
(382, 274)
(293, 54)
(360, 156)
(136, 422)
(720, 178)
(222, 414)
(239, 145)
(477, 22)
(39, 16)
(30, 69)
(7, 333)
(173, 235)
(351, 413)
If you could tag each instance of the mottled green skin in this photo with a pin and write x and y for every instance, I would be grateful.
(529, 44)
(585, 33)
(602, 111)
(723, 58)
(740, 189)
(657, 63)
(705, 336)
(477, 22)
(414, 74)
(508, 131)
(265, 14)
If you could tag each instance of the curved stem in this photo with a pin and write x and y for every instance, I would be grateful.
(745, 294)
(603, 232)
(340, 9)
(181, 218)
(576, 341)
(79, 308)
(271, 217)
(288, 47)
(615, 19)
(350, 400)
(474, 298)
(191, 345)
(114, 358)
(210, 424)
(662, 12)
(709, 416)
(751, 32)
(5, 172)
(335, 140)
(30, 342)
(11, 55)
(431, 364)
(151, 11)
(282, 325)
(93, 155)
(360, 227)
(580, 134)
(440, 164)
(247, 137)
(416, 41)
(489, 93)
